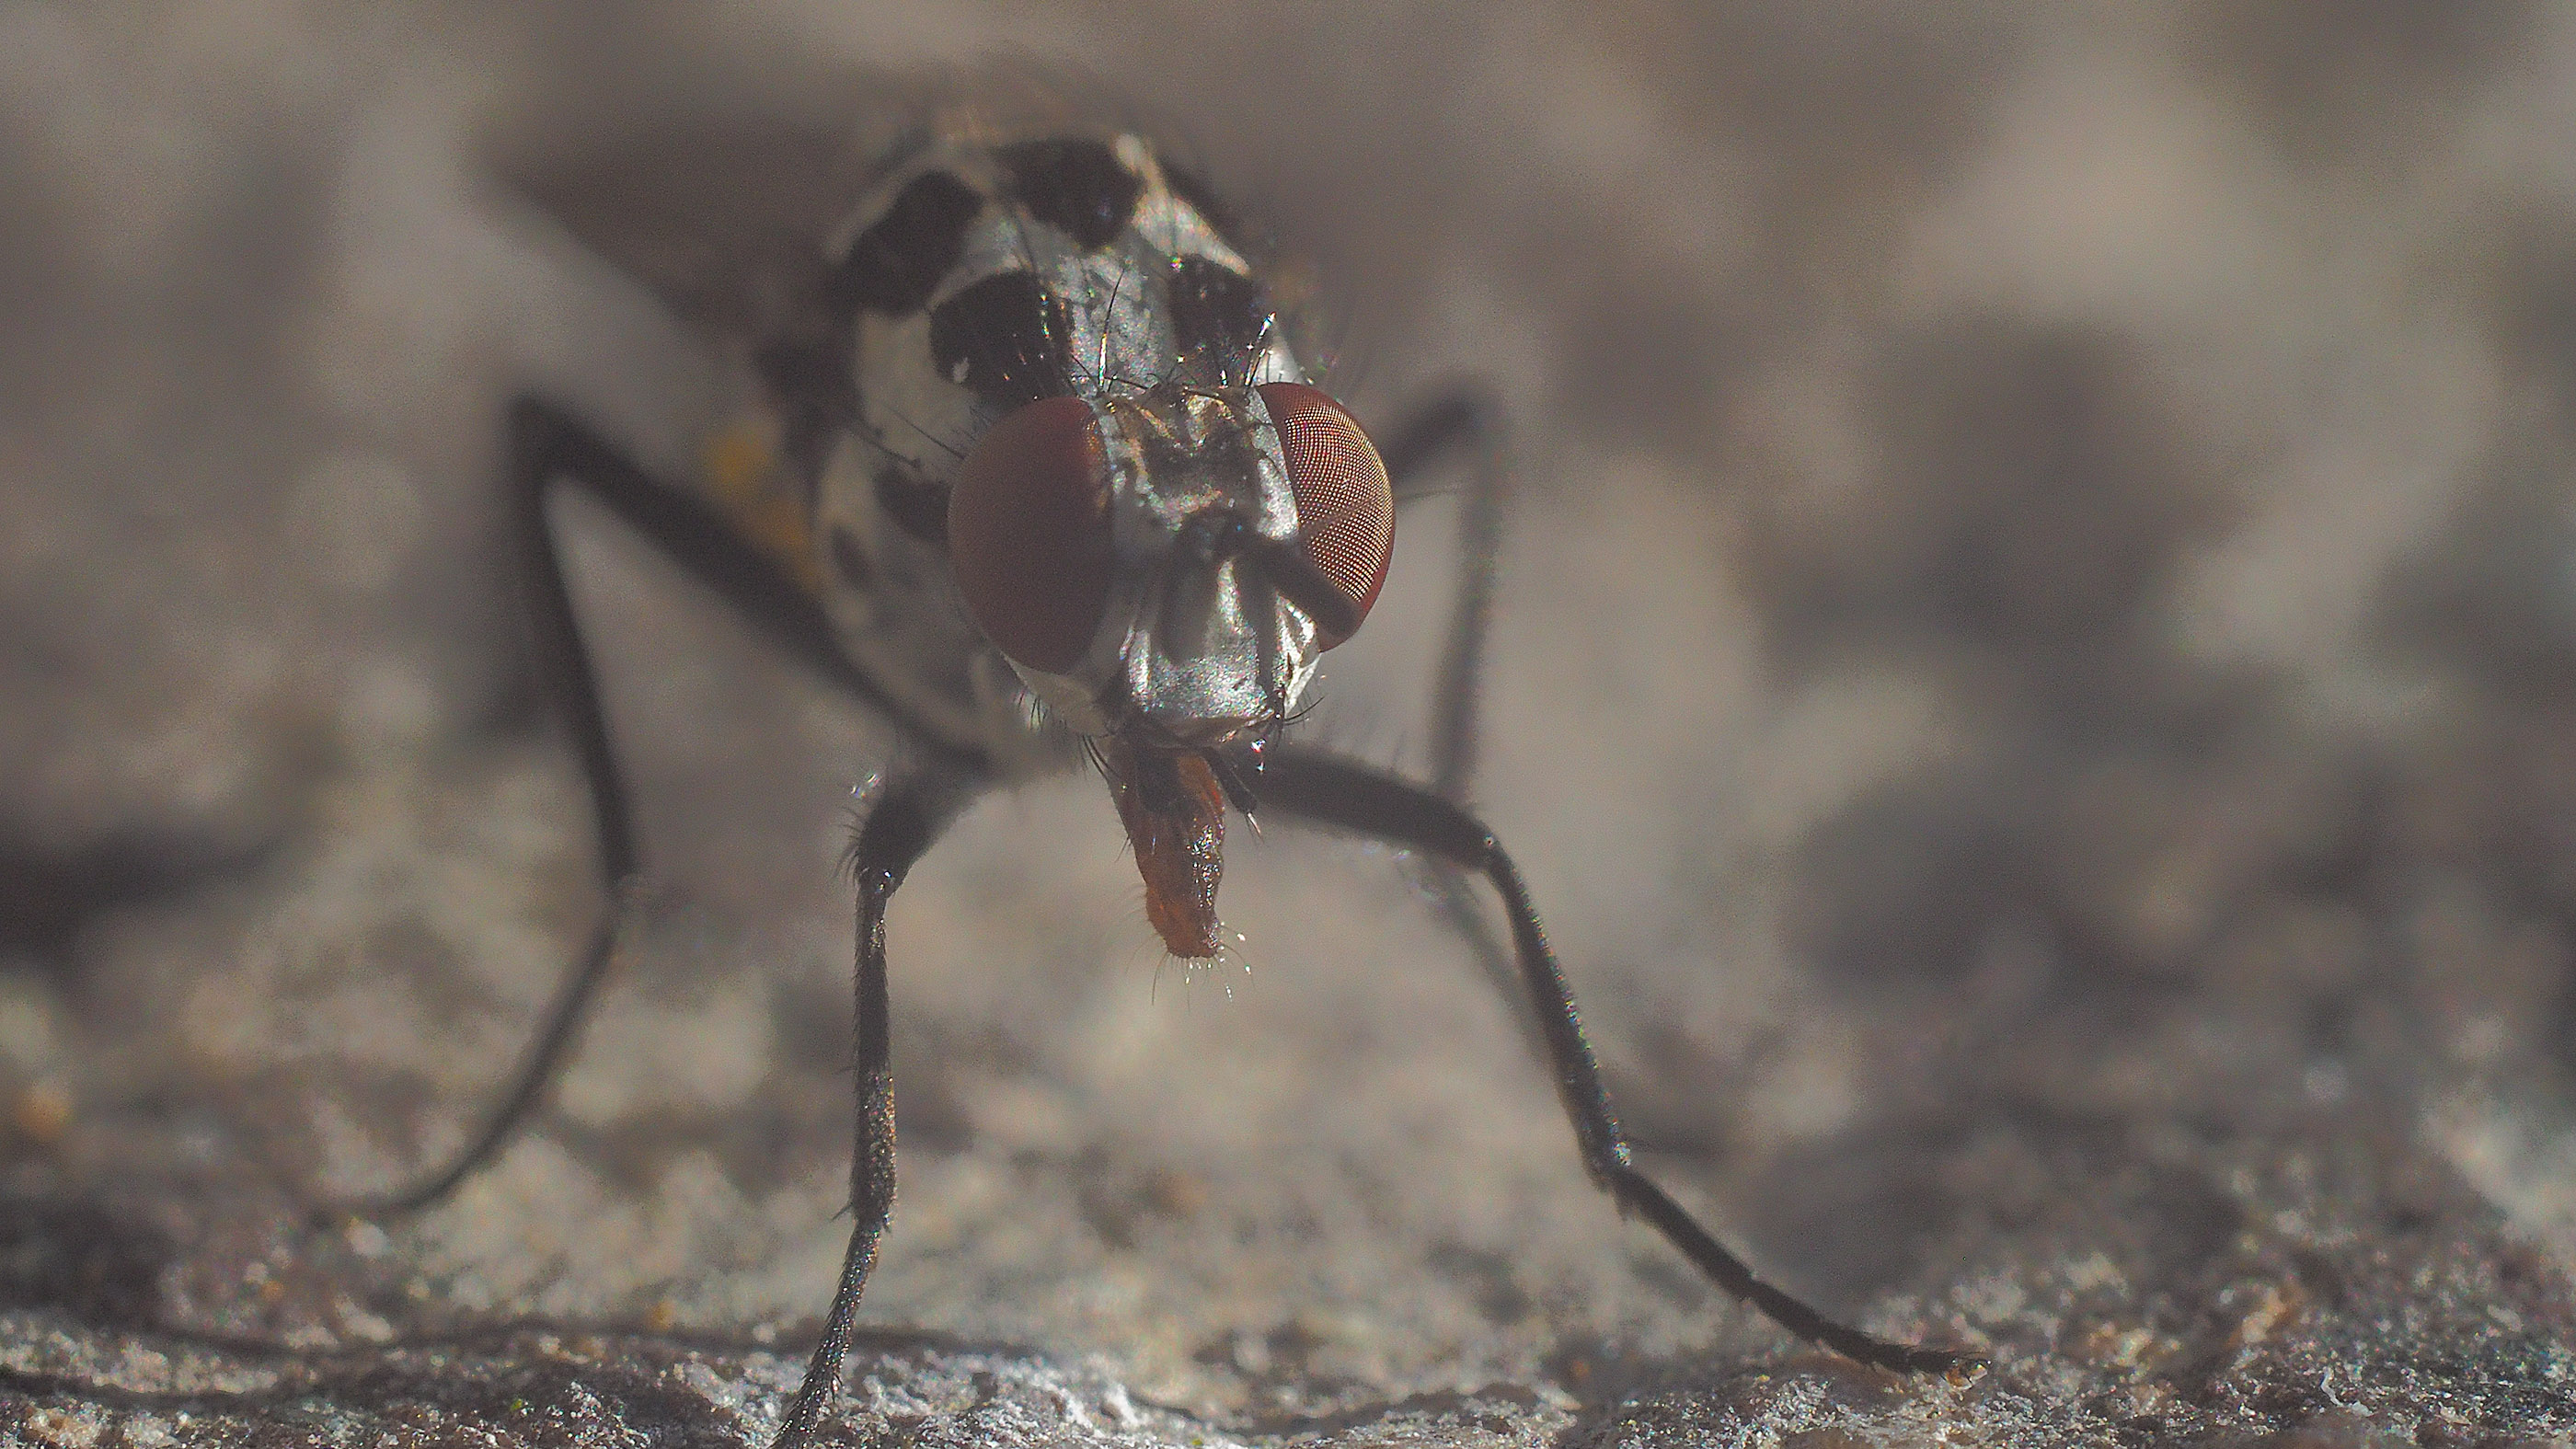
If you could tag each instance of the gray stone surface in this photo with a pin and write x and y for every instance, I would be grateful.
(2036, 687)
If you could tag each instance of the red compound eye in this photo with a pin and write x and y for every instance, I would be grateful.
(1345, 510)
(1028, 529)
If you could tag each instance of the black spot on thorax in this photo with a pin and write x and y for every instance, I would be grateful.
(918, 506)
(895, 264)
(1220, 317)
(851, 561)
(1004, 339)
(1077, 185)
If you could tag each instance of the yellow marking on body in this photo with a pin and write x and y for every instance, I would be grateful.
(740, 463)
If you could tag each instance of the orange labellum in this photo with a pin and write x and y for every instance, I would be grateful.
(1180, 853)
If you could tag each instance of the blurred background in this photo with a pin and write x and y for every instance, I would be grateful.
(2035, 685)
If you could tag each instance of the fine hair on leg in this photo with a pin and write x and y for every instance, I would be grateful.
(903, 824)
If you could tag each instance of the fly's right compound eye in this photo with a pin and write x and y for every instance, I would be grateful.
(1028, 531)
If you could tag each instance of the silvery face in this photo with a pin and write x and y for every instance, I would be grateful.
(1196, 648)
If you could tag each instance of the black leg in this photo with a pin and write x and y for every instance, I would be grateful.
(900, 827)
(1354, 797)
(544, 446)
(547, 446)
(1465, 420)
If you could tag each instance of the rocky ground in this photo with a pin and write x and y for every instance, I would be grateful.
(2036, 686)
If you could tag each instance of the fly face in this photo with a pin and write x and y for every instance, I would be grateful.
(1163, 569)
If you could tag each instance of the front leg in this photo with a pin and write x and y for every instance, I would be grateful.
(905, 822)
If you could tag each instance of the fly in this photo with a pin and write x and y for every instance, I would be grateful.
(1027, 461)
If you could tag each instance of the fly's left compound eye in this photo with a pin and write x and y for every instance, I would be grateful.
(1345, 509)
(1028, 530)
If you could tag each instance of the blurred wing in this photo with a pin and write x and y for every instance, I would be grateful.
(727, 210)
(726, 221)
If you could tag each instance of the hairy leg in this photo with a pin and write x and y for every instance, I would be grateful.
(902, 825)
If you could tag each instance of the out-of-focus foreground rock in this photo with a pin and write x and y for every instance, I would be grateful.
(2036, 687)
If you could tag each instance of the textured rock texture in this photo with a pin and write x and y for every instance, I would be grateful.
(2036, 686)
